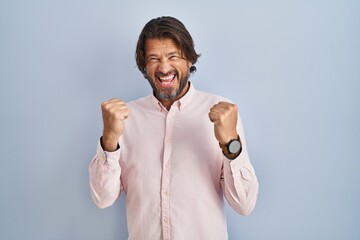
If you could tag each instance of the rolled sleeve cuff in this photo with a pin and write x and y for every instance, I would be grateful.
(106, 157)
(239, 166)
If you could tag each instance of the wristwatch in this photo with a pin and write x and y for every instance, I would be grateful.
(234, 146)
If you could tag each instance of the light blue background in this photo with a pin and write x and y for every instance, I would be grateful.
(293, 68)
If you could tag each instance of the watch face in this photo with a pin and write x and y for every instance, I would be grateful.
(234, 146)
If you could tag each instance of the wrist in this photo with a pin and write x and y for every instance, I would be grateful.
(226, 139)
(109, 144)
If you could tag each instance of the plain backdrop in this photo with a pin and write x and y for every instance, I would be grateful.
(293, 68)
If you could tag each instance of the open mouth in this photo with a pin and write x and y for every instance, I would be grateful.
(166, 80)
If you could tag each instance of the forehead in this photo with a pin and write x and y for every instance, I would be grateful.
(159, 46)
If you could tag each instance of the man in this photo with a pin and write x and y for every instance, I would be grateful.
(174, 153)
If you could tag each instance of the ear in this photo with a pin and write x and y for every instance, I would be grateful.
(189, 64)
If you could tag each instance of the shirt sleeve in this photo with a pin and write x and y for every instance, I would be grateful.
(104, 176)
(238, 180)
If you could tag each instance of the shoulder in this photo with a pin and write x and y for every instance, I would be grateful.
(140, 103)
(203, 96)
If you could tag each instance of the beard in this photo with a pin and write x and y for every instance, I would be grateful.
(169, 93)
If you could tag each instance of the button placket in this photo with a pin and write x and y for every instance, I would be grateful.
(165, 201)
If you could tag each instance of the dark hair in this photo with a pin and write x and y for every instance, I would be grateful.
(166, 28)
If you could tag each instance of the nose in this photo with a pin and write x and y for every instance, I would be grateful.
(164, 66)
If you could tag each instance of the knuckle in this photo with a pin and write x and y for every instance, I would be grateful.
(112, 111)
(227, 107)
(232, 106)
(107, 108)
(106, 105)
(103, 105)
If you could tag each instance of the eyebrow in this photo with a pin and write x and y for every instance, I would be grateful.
(173, 53)
(167, 55)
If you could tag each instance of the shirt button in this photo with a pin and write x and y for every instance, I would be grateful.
(164, 220)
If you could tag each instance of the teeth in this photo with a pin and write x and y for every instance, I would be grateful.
(168, 78)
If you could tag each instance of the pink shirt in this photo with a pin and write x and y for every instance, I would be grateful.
(173, 172)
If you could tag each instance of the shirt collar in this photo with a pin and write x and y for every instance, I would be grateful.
(180, 104)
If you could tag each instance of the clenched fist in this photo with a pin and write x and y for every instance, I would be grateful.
(114, 113)
(224, 116)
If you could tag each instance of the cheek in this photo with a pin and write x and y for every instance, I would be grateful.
(184, 69)
(150, 70)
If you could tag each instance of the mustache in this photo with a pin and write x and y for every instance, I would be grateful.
(161, 74)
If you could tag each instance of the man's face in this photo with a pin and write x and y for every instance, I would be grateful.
(166, 69)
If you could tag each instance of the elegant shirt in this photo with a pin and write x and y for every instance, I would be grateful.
(173, 172)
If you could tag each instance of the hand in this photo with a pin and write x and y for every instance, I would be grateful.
(114, 112)
(224, 116)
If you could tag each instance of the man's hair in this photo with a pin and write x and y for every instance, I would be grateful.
(166, 28)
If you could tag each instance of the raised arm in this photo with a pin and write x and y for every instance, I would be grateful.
(238, 179)
(104, 169)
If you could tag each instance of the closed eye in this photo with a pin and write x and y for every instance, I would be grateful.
(174, 57)
(152, 59)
